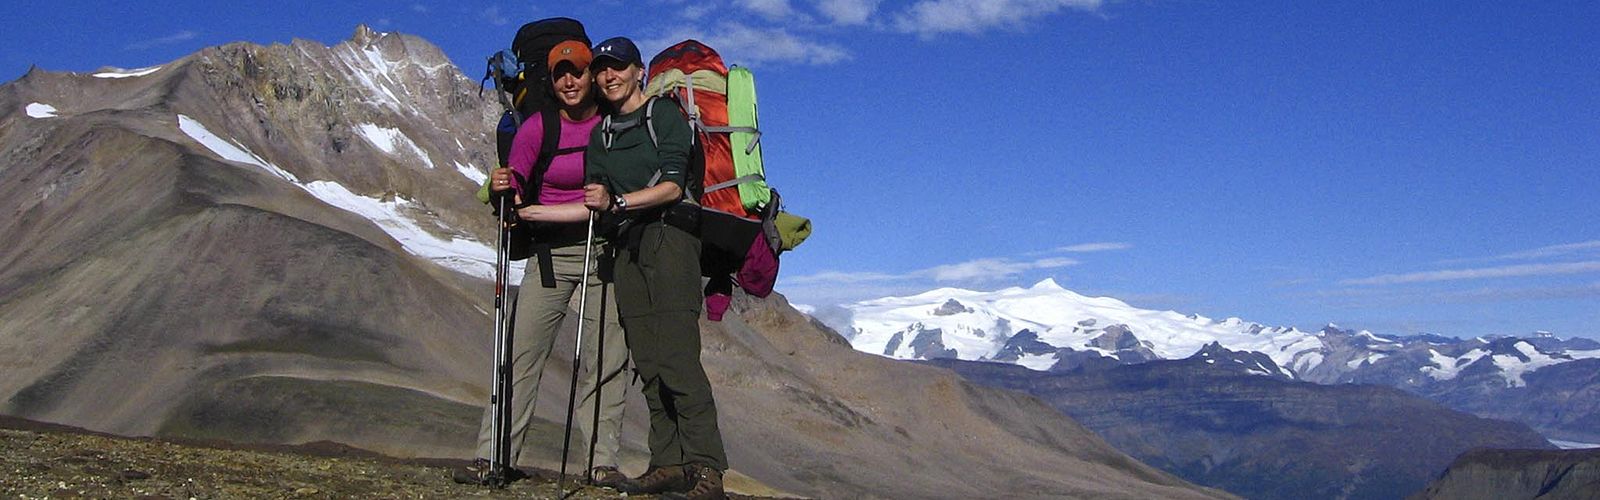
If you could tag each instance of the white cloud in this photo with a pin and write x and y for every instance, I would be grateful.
(743, 44)
(770, 9)
(1479, 273)
(1095, 247)
(927, 18)
(979, 270)
(1587, 247)
(492, 15)
(992, 269)
(843, 278)
(1535, 293)
(419, 8)
(976, 270)
(830, 294)
(1369, 298)
(848, 12)
(181, 36)
(836, 287)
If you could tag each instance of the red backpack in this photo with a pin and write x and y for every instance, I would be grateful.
(741, 227)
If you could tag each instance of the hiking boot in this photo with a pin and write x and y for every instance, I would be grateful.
(606, 476)
(477, 473)
(481, 473)
(707, 485)
(658, 480)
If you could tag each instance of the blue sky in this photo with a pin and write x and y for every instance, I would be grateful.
(1398, 166)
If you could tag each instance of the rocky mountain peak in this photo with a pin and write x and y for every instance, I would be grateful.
(1211, 350)
(951, 307)
(364, 35)
(1249, 362)
(1116, 338)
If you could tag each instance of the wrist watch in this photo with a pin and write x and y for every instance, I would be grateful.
(618, 203)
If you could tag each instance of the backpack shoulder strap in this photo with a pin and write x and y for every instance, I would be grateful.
(649, 123)
(549, 147)
(610, 128)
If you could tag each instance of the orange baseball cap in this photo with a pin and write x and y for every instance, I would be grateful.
(570, 51)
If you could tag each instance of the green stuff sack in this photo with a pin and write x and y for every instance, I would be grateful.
(483, 193)
(792, 230)
(746, 146)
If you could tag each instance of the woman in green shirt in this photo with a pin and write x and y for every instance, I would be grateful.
(640, 178)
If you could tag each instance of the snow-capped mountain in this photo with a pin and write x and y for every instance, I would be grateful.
(1048, 328)
(382, 126)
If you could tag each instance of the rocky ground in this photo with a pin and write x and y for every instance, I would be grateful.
(44, 461)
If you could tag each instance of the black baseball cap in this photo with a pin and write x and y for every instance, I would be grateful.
(619, 48)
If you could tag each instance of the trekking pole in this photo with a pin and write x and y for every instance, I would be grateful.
(500, 394)
(577, 350)
(599, 371)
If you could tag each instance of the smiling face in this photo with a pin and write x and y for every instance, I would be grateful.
(618, 81)
(571, 85)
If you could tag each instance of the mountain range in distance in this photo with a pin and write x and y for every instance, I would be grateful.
(1046, 327)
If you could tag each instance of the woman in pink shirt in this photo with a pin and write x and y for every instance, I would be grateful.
(552, 201)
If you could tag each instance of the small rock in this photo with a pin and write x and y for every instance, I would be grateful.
(305, 492)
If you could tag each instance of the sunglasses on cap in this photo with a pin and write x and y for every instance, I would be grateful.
(605, 63)
(565, 68)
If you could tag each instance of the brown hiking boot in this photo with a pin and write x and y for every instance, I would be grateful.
(658, 480)
(707, 485)
(606, 476)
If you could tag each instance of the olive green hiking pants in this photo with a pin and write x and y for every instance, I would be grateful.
(658, 294)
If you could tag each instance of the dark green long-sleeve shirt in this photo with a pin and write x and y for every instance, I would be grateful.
(628, 163)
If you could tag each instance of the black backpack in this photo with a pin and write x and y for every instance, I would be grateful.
(522, 76)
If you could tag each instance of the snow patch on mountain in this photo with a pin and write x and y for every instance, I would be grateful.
(1040, 362)
(461, 254)
(229, 149)
(1446, 368)
(41, 110)
(1512, 367)
(1573, 445)
(393, 141)
(1374, 338)
(363, 64)
(394, 217)
(1584, 354)
(1370, 359)
(127, 73)
(472, 173)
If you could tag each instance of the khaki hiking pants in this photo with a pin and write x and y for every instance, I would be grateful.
(537, 313)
